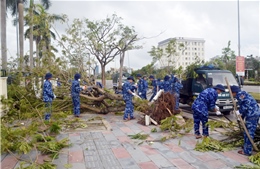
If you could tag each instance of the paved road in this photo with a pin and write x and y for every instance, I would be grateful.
(255, 89)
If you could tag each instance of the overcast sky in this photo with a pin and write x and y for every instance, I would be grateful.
(214, 21)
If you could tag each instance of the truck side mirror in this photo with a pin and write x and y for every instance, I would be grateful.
(210, 81)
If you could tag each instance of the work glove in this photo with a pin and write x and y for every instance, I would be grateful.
(54, 96)
(217, 108)
(133, 94)
(237, 112)
(140, 93)
(218, 113)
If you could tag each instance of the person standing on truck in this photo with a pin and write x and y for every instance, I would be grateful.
(203, 103)
(48, 96)
(140, 86)
(127, 97)
(250, 111)
(154, 84)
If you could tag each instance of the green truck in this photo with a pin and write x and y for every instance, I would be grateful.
(205, 77)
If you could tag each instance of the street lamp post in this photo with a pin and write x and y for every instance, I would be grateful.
(238, 18)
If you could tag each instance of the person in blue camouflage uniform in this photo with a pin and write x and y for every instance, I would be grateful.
(48, 96)
(140, 86)
(155, 87)
(250, 112)
(127, 97)
(159, 84)
(145, 88)
(75, 91)
(168, 83)
(176, 91)
(203, 103)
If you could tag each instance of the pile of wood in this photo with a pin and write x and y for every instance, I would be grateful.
(162, 108)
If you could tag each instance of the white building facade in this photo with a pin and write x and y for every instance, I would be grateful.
(193, 48)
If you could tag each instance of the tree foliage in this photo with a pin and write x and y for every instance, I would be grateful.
(102, 39)
(171, 52)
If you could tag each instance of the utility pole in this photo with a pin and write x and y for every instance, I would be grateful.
(238, 18)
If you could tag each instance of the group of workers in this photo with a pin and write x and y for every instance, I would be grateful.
(206, 101)
(49, 96)
(248, 109)
(170, 84)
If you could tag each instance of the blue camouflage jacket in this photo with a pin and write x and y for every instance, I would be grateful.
(145, 85)
(177, 87)
(248, 106)
(154, 84)
(127, 86)
(160, 84)
(47, 91)
(141, 86)
(75, 88)
(168, 84)
(205, 101)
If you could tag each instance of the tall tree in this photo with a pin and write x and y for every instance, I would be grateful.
(3, 34)
(42, 34)
(46, 4)
(171, 53)
(21, 33)
(128, 38)
(104, 39)
(18, 6)
(227, 55)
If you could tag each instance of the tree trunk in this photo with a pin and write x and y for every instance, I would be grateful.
(31, 34)
(37, 53)
(122, 57)
(3, 34)
(103, 73)
(21, 33)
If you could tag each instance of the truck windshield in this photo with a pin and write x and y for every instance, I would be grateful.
(219, 78)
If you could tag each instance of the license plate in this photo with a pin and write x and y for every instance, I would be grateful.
(227, 107)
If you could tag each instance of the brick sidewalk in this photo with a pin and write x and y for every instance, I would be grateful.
(114, 149)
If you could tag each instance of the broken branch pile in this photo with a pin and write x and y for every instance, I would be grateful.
(162, 108)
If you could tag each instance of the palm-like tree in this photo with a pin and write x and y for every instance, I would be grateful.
(42, 34)
(3, 34)
(18, 6)
(46, 4)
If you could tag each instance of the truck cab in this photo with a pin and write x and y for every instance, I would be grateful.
(206, 77)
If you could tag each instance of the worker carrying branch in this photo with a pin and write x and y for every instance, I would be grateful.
(250, 112)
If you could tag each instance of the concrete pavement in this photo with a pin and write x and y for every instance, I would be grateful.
(112, 148)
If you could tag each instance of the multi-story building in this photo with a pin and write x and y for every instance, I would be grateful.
(184, 56)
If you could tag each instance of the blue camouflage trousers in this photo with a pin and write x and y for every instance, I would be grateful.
(76, 105)
(142, 95)
(48, 110)
(177, 97)
(251, 125)
(199, 117)
(129, 109)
